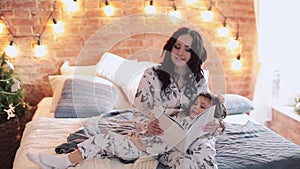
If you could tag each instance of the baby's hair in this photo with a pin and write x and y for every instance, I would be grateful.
(215, 101)
(206, 95)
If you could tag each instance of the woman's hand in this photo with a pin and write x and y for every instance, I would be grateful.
(153, 126)
(211, 126)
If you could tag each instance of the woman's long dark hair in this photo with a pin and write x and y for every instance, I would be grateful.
(198, 55)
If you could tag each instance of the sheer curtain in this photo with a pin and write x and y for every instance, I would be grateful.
(278, 80)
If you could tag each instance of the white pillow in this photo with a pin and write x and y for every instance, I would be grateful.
(123, 72)
(206, 74)
(129, 74)
(66, 69)
(108, 65)
(57, 83)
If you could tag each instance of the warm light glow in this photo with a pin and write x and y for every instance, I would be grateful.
(176, 14)
(223, 32)
(11, 51)
(40, 51)
(109, 10)
(71, 6)
(233, 44)
(58, 27)
(191, 1)
(236, 64)
(207, 16)
(1, 28)
(150, 9)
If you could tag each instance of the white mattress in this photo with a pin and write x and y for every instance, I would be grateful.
(45, 132)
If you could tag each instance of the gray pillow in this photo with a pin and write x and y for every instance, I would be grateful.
(237, 104)
(83, 98)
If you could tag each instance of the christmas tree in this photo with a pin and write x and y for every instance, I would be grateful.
(12, 104)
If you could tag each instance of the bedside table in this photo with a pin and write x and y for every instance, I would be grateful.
(286, 122)
(11, 133)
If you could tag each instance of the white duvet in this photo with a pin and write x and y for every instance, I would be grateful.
(45, 133)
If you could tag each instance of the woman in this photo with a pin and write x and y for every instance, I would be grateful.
(172, 85)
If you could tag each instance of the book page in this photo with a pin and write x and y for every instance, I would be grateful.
(176, 136)
(173, 131)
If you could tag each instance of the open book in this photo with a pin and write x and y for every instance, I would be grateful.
(176, 136)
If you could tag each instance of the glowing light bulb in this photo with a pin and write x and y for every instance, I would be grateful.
(71, 6)
(233, 44)
(223, 31)
(150, 9)
(40, 51)
(109, 10)
(207, 16)
(191, 1)
(11, 50)
(237, 64)
(1, 28)
(58, 27)
(176, 14)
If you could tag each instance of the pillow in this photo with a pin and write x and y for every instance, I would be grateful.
(237, 104)
(66, 69)
(108, 65)
(128, 76)
(83, 98)
(123, 72)
(57, 84)
(206, 74)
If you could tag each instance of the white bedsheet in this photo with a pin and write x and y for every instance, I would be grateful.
(45, 132)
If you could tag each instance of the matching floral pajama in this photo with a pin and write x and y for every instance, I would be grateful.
(150, 99)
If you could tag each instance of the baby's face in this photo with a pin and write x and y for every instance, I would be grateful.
(200, 105)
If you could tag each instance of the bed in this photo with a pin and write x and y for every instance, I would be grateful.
(244, 144)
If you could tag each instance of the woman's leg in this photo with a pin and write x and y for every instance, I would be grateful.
(109, 145)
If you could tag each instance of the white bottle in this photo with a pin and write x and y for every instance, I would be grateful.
(276, 86)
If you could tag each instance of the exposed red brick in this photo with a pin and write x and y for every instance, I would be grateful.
(24, 30)
(82, 25)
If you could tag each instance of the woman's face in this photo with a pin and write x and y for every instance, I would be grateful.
(200, 105)
(181, 51)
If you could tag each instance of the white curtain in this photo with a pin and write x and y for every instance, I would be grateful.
(278, 26)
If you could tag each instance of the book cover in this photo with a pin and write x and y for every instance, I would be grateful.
(175, 134)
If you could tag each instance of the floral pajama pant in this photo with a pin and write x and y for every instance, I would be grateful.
(109, 145)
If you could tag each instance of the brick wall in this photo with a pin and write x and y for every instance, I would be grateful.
(89, 33)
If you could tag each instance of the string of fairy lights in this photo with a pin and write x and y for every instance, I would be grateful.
(208, 15)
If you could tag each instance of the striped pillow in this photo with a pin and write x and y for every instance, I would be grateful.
(82, 98)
